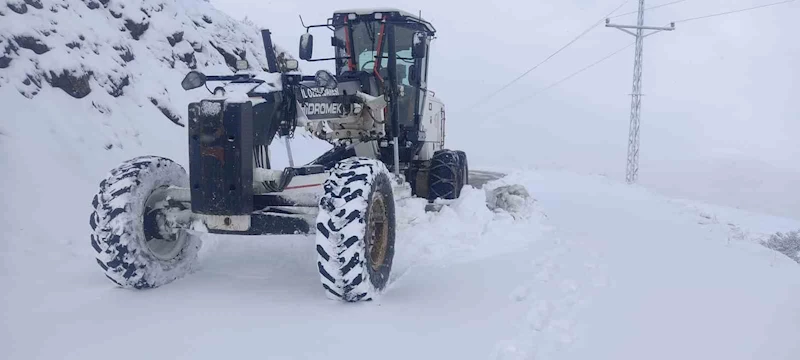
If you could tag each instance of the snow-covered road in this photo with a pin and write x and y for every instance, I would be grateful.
(597, 270)
(639, 276)
(260, 296)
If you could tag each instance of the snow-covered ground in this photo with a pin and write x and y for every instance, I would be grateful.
(596, 269)
(641, 276)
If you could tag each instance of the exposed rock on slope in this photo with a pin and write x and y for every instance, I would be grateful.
(119, 48)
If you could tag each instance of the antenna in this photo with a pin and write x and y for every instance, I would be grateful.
(302, 23)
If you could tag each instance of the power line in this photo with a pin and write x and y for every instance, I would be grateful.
(549, 57)
(735, 11)
(586, 68)
(559, 82)
(570, 76)
(632, 169)
(650, 8)
(609, 16)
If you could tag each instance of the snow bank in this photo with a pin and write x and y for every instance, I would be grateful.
(463, 231)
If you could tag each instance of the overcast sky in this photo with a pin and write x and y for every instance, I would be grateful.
(717, 88)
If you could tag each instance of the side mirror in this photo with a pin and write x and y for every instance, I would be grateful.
(418, 45)
(306, 46)
(242, 65)
(193, 80)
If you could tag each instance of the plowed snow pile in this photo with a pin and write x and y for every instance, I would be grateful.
(589, 269)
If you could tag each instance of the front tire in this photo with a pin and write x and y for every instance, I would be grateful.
(128, 232)
(356, 230)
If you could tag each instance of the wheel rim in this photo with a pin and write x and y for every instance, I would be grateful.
(162, 225)
(377, 232)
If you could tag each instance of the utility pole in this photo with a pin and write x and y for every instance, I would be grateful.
(632, 172)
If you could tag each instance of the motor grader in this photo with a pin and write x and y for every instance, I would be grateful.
(386, 128)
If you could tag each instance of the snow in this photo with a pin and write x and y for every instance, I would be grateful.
(239, 92)
(596, 268)
(261, 175)
(650, 275)
(210, 108)
(512, 198)
(590, 268)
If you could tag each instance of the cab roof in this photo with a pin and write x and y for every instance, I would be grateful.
(370, 11)
(393, 13)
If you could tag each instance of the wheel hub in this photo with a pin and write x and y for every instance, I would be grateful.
(163, 223)
(377, 232)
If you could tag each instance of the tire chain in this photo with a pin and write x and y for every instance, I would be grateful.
(438, 163)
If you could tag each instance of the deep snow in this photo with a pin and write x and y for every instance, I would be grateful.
(640, 276)
(594, 270)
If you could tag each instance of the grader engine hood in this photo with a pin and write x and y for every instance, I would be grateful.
(351, 109)
(320, 103)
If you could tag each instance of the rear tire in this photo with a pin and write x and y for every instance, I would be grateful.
(444, 175)
(132, 248)
(464, 166)
(356, 230)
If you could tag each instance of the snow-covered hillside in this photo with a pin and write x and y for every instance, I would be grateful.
(121, 48)
(595, 269)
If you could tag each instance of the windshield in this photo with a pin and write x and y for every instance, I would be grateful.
(366, 37)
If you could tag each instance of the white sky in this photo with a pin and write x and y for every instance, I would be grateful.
(720, 88)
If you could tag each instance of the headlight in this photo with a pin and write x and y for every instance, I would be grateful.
(325, 79)
(291, 65)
